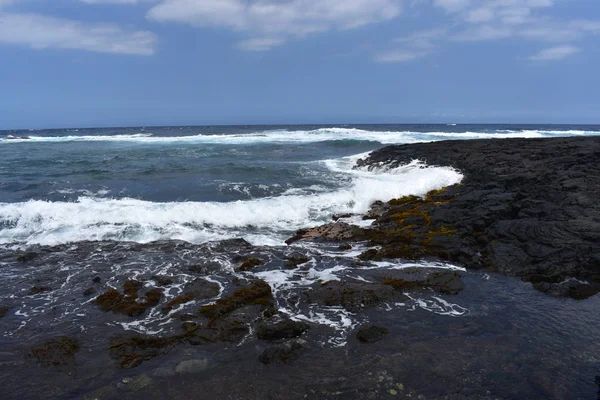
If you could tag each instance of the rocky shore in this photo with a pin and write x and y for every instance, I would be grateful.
(526, 207)
(413, 305)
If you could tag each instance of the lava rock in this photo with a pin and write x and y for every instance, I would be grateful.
(286, 329)
(336, 231)
(353, 296)
(525, 207)
(192, 366)
(57, 351)
(371, 334)
(39, 289)
(283, 353)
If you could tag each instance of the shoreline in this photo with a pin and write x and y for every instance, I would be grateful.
(400, 319)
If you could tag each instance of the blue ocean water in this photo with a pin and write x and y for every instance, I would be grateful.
(206, 183)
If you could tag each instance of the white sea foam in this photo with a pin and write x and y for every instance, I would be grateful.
(262, 221)
(317, 135)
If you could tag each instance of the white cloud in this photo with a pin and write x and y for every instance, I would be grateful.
(452, 5)
(260, 44)
(275, 18)
(555, 53)
(113, 1)
(491, 20)
(41, 32)
(396, 56)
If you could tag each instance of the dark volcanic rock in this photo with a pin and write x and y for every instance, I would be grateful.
(336, 217)
(27, 256)
(162, 280)
(39, 289)
(351, 295)
(259, 293)
(378, 208)
(127, 303)
(410, 279)
(371, 334)
(336, 231)
(249, 264)
(525, 207)
(293, 262)
(57, 351)
(286, 329)
(282, 353)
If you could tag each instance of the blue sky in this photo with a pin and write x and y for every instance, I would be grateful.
(76, 63)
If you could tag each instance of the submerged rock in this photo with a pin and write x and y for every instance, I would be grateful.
(39, 289)
(286, 329)
(371, 334)
(283, 353)
(57, 351)
(192, 366)
(353, 296)
(127, 303)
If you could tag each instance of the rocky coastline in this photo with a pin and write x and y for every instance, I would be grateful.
(526, 208)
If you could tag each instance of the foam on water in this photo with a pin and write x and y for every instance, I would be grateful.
(92, 218)
(300, 136)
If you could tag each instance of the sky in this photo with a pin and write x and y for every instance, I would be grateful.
(95, 63)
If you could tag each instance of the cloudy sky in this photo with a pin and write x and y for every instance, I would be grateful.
(67, 63)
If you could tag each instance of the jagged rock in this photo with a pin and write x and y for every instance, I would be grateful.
(336, 231)
(377, 209)
(337, 217)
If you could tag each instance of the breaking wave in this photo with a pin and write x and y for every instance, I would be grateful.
(286, 136)
(266, 221)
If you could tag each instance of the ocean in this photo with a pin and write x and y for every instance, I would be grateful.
(110, 204)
